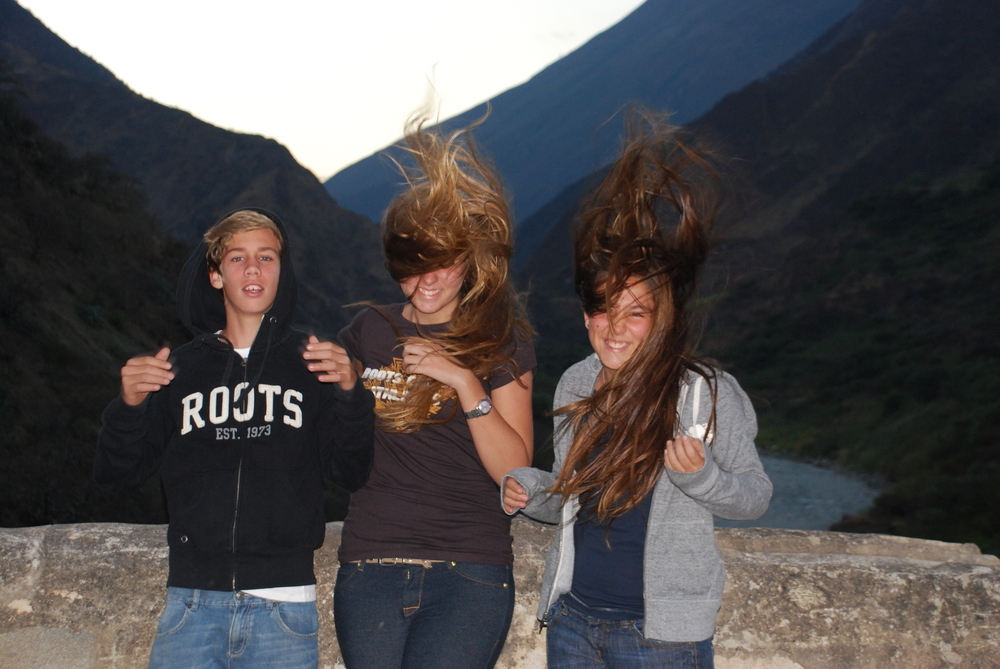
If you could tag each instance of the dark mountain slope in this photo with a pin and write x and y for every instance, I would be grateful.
(919, 97)
(32, 41)
(882, 356)
(681, 55)
(86, 281)
(853, 291)
(194, 172)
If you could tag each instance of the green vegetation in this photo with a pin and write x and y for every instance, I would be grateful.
(86, 280)
(882, 356)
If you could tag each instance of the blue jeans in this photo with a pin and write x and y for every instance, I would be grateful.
(447, 616)
(578, 641)
(209, 628)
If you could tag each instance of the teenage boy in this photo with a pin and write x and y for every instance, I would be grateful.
(242, 433)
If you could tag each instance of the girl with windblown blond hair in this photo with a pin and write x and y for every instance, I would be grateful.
(426, 578)
(650, 440)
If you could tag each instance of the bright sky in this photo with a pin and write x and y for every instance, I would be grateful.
(333, 80)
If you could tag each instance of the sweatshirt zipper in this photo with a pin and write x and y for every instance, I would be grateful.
(239, 481)
(567, 514)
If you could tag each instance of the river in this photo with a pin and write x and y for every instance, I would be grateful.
(807, 497)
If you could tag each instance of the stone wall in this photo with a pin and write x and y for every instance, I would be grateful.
(80, 596)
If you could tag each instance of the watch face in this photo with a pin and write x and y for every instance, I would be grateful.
(483, 407)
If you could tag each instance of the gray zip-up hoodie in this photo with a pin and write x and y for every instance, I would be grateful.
(683, 575)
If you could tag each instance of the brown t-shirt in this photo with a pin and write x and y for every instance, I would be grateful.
(428, 495)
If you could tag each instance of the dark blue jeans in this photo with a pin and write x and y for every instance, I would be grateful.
(208, 628)
(578, 641)
(447, 616)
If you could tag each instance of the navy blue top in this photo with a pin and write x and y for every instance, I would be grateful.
(607, 567)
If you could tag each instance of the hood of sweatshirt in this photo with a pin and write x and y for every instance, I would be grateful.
(201, 307)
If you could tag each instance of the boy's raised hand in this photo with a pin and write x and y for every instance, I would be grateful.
(331, 361)
(145, 374)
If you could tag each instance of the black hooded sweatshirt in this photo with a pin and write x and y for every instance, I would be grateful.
(242, 469)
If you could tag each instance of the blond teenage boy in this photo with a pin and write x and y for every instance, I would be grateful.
(243, 434)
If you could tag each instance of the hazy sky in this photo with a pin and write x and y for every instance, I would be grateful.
(330, 79)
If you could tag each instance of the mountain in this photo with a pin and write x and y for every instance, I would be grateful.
(192, 172)
(86, 281)
(853, 287)
(678, 55)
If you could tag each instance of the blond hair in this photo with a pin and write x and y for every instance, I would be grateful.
(454, 213)
(220, 235)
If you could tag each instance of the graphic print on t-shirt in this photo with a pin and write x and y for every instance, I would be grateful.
(391, 383)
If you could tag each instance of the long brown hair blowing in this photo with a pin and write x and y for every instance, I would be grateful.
(649, 221)
(454, 212)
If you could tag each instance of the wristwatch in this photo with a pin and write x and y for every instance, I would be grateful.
(483, 407)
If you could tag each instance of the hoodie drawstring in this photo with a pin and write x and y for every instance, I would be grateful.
(272, 321)
(207, 337)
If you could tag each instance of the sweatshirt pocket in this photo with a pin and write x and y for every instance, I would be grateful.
(202, 510)
(683, 562)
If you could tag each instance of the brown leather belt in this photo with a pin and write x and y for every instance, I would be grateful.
(426, 564)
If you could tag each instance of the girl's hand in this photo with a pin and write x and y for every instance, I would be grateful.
(684, 454)
(331, 361)
(425, 359)
(503, 436)
(514, 496)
